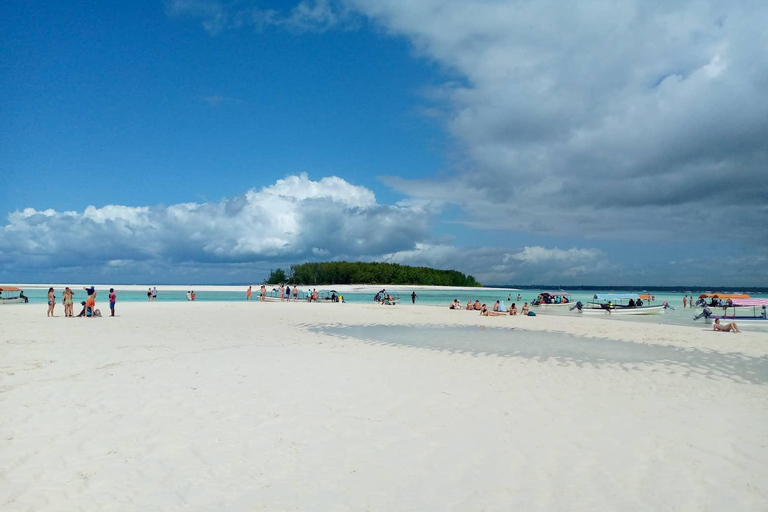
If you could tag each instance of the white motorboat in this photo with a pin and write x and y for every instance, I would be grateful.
(740, 309)
(552, 299)
(613, 304)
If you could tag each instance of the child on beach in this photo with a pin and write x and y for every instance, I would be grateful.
(112, 300)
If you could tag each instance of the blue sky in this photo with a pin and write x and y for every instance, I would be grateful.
(204, 141)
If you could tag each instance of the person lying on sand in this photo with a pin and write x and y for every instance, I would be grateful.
(496, 306)
(725, 328)
(487, 312)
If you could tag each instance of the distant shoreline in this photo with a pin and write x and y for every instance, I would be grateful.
(401, 287)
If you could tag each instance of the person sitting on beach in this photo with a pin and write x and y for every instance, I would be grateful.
(469, 305)
(513, 309)
(496, 306)
(524, 311)
(725, 328)
(477, 305)
(486, 312)
(82, 312)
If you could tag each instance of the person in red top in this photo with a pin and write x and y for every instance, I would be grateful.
(112, 300)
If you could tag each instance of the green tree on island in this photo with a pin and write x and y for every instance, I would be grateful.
(344, 272)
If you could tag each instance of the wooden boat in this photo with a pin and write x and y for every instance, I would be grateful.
(613, 304)
(11, 295)
(552, 299)
(717, 299)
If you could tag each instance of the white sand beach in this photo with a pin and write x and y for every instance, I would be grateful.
(297, 406)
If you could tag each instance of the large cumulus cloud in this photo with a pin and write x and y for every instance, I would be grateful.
(292, 220)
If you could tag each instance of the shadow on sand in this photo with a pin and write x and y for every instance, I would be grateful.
(559, 347)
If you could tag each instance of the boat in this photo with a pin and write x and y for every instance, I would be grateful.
(388, 298)
(717, 299)
(12, 295)
(740, 309)
(552, 299)
(613, 303)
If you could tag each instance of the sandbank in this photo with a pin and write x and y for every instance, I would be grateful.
(297, 406)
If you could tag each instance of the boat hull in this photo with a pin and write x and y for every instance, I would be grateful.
(742, 321)
(11, 301)
(642, 310)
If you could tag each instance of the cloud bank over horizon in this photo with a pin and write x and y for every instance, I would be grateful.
(292, 221)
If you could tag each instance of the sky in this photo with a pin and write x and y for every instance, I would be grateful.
(521, 142)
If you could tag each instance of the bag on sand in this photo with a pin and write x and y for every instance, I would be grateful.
(531, 313)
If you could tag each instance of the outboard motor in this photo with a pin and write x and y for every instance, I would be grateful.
(706, 313)
(578, 306)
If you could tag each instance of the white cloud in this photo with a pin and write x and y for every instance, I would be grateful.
(306, 16)
(540, 254)
(294, 219)
(619, 121)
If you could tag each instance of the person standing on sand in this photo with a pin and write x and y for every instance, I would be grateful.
(67, 299)
(192, 295)
(154, 293)
(413, 297)
(149, 294)
(248, 294)
(51, 301)
(295, 293)
(112, 300)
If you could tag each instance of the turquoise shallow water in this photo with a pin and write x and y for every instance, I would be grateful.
(437, 298)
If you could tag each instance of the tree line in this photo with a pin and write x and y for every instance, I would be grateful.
(344, 272)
